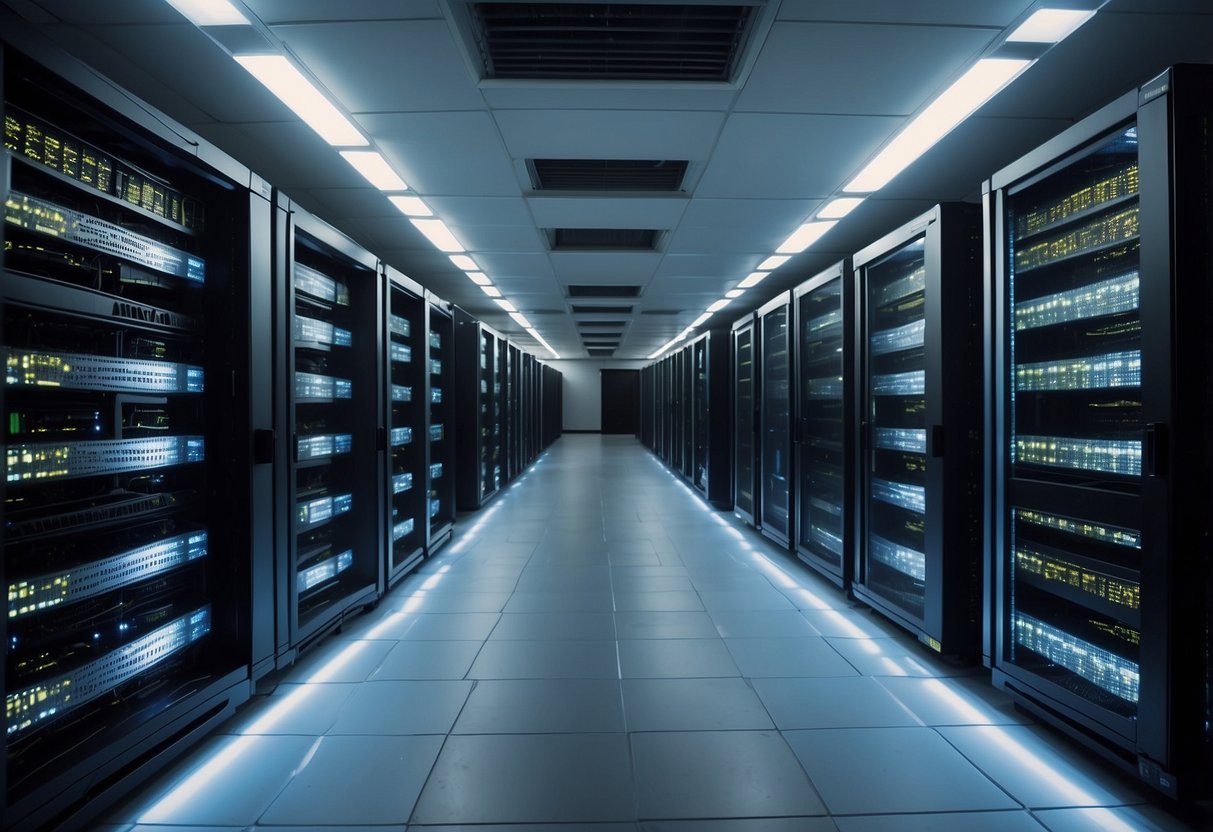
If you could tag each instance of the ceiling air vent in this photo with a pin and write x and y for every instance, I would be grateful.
(603, 290)
(600, 352)
(601, 324)
(601, 344)
(587, 309)
(602, 239)
(610, 41)
(606, 175)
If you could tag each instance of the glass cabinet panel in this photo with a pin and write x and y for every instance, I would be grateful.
(744, 421)
(776, 421)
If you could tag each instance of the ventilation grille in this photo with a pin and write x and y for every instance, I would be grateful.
(600, 352)
(606, 175)
(602, 239)
(610, 41)
(601, 344)
(587, 309)
(603, 290)
(601, 324)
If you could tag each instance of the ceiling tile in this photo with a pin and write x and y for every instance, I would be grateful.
(594, 134)
(293, 11)
(481, 238)
(287, 154)
(739, 225)
(659, 212)
(445, 154)
(620, 268)
(708, 265)
(996, 13)
(385, 66)
(472, 210)
(84, 12)
(828, 67)
(502, 264)
(791, 156)
(353, 202)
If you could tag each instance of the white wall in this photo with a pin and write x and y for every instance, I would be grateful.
(583, 388)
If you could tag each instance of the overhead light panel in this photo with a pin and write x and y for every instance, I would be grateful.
(1050, 25)
(773, 262)
(521, 320)
(491, 291)
(752, 279)
(701, 319)
(839, 207)
(977, 86)
(734, 293)
(462, 261)
(720, 304)
(209, 12)
(805, 236)
(505, 304)
(281, 78)
(411, 206)
(531, 332)
(480, 278)
(437, 233)
(375, 169)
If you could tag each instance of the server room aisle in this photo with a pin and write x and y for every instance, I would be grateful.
(600, 647)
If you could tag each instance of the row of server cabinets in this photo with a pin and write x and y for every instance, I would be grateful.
(991, 427)
(228, 428)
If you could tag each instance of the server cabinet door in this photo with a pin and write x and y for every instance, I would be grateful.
(745, 406)
(775, 422)
(406, 518)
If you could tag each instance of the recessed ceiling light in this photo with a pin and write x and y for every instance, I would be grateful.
(699, 321)
(505, 304)
(437, 233)
(752, 279)
(295, 91)
(210, 12)
(1050, 25)
(411, 206)
(375, 169)
(521, 320)
(839, 207)
(462, 261)
(720, 304)
(491, 291)
(480, 278)
(734, 293)
(773, 262)
(805, 236)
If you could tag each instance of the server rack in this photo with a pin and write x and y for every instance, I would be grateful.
(666, 406)
(644, 429)
(775, 419)
(330, 552)
(478, 457)
(530, 412)
(745, 419)
(513, 411)
(406, 425)
(132, 260)
(919, 402)
(440, 425)
(712, 469)
(553, 405)
(824, 315)
(1100, 253)
(687, 414)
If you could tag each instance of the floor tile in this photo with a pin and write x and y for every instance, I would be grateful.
(751, 599)
(893, 657)
(308, 710)
(841, 702)
(559, 626)
(1010, 821)
(1039, 770)
(802, 824)
(720, 774)
(631, 624)
(961, 701)
(635, 559)
(796, 657)
(357, 780)
(675, 658)
(402, 707)
(427, 626)
(340, 661)
(651, 583)
(849, 622)
(762, 624)
(529, 778)
(458, 601)
(546, 660)
(916, 769)
(598, 600)
(1124, 819)
(658, 601)
(249, 771)
(510, 827)
(540, 706)
(429, 660)
(692, 705)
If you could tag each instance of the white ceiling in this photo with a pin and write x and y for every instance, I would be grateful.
(827, 82)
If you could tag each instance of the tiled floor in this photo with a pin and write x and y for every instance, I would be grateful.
(600, 650)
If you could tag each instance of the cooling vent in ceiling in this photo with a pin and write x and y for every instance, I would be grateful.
(603, 290)
(602, 239)
(601, 324)
(610, 41)
(601, 344)
(587, 309)
(600, 352)
(606, 175)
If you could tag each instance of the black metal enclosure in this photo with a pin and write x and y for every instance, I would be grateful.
(745, 419)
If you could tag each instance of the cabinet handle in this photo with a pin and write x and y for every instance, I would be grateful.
(1154, 450)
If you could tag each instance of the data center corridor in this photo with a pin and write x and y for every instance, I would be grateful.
(598, 649)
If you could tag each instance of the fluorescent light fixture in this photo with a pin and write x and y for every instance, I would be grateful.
(480, 278)
(505, 304)
(462, 261)
(839, 207)
(437, 233)
(734, 293)
(663, 348)
(978, 85)
(805, 236)
(521, 320)
(375, 169)
(1050, 25)
(411, 206)
(699, 321)
(752, 279)
(210, 12)
(295, 91)
(720, 304)
(773, 262)
(491, 291)
(534, 334)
